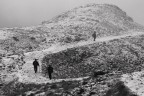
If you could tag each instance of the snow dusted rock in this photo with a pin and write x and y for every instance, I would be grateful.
(12, 63)
(5, 34)
(120, 89)
(131, 84)
(8, 63)
(135, 82)
(9, 78)
(1, 66)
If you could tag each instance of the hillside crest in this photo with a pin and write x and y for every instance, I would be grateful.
(72, 26)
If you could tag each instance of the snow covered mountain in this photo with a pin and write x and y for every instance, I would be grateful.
(73, 26)
(66, 42)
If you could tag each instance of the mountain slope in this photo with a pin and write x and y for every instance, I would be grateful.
(73, 26)
(27, 75)
(84, 19)
(124, 55)
(65, 42)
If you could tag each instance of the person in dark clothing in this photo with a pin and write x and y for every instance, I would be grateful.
(35, 64)
(94, 35)
(50, 71)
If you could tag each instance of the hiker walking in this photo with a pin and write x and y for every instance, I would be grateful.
(94, 35)
(35, 64)
(50, 71)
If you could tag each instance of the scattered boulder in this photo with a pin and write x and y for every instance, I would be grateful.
(120, 89)
(98, 73)
(81, 90)
(135, 82)
(84, 82)
(92, 93)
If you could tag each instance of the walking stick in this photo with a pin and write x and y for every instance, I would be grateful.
(39, 69)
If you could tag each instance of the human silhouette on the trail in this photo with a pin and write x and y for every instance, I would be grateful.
(50, 71)
(94, 35)
(36, 64)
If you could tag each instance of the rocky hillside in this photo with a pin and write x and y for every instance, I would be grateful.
(72, 26)
(82, 21)
(125, 55)
(103, 61)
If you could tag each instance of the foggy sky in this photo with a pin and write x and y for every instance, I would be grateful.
(17, 13)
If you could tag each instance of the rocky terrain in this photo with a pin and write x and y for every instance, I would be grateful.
(73, 26)
(125, 55)
(82, 67)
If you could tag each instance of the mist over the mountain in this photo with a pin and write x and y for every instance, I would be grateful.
(18, 13)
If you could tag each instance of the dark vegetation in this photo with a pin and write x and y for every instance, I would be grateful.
(117, 55)
(90, 86)
(102, 85)
(15, 38)
(98, 73)
(119, 89)
(15, 88)
(32, 38)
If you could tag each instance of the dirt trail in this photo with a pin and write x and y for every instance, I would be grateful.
(27, 75)
(57, 48)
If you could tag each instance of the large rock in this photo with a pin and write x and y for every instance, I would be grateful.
(135, 82)
(120, 89)
(131, 84)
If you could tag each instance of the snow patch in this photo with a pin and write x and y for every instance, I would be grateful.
(4, 34)
(135, 82)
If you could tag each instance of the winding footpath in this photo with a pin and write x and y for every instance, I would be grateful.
(27, 75)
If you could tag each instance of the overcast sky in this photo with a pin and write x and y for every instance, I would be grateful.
(17, 13)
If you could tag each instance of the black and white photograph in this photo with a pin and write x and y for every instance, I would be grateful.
(71, 48)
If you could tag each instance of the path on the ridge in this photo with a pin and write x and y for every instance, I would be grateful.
(27, 75)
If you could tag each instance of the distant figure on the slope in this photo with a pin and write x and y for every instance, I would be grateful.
(50, 71)
(35, 64)
(94, 35)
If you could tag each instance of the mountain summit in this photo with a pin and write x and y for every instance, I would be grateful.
(79, 23)
(104, 16)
